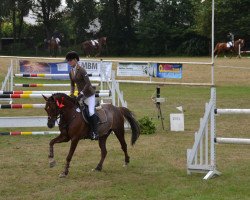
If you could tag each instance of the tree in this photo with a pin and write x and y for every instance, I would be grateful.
(15, 10)
(48, 13)
(164, 25)
(4, 12)
(82, 12)
(118, 23)
(23, 8)
(230, 15)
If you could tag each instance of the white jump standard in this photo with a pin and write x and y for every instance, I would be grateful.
(202, 157)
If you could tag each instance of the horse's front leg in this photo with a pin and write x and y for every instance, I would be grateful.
(72, 149)
(58, 139)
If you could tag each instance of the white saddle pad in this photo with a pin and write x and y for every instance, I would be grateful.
(229, 44)
(94, 42)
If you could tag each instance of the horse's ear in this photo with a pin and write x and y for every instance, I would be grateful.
(46, 98)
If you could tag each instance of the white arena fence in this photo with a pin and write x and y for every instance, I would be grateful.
(127, 79)
(202, 157)
(242, 52)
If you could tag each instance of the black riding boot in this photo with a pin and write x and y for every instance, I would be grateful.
(93, 123)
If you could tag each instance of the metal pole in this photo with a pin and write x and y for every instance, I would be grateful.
(212, 49)
(158, 105)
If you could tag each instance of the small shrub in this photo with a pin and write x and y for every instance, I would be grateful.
(147, 126)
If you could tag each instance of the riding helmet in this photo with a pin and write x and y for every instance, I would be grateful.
(72, 55)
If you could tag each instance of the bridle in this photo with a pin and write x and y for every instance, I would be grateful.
(53, 117)
(58, 112)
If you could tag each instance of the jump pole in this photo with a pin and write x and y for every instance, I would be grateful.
(21, 106)
(46, 92)
(232, 111)
(47, 85)
(15, 96)
(29, 133)
(221, 140)
(50, 75)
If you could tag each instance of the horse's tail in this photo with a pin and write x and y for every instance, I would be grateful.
(133, 123)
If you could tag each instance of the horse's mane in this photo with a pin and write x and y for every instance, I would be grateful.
(66, 97)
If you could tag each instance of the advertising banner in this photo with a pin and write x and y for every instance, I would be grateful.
(92, 67)
(27, 66)
(97, 68)
(132, 69)
(165, 70)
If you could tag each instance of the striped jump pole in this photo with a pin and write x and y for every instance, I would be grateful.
(29, 133)
(16, 96)
(49, 75)
(46, 92)
(47, 85)
(20, 106)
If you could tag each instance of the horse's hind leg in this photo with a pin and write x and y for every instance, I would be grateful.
(120, 136)
(58, 139)
(102, 145)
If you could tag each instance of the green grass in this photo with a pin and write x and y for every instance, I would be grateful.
(157, 170)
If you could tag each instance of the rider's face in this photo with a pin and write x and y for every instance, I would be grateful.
(72, 62)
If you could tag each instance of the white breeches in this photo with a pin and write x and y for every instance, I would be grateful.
(90, 101)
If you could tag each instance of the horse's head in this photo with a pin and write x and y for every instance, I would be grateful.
(61, 36)
(103, 40)
(52, 110)
(54, 105)
(240, 42)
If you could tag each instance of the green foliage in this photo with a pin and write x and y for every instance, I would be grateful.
(194, 46)
(133, 27)
(147, 126)
(7, 29)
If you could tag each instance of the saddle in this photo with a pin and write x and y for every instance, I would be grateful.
(99, 111)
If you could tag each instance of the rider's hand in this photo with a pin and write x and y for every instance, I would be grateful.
(81, 96)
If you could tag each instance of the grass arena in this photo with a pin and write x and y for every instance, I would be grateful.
(157, 168)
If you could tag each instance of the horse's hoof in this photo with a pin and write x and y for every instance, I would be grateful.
(52, 163)
(125, 165)
(62, 175)
(97, 169)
